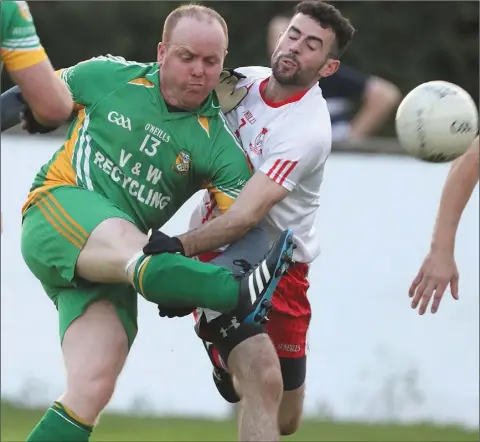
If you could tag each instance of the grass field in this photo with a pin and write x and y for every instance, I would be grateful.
(17, 422)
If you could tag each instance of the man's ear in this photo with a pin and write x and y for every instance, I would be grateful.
(329, 68)
(161, 50)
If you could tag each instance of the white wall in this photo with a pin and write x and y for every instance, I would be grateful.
(368, 349)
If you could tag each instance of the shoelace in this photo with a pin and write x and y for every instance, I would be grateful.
(244, 264)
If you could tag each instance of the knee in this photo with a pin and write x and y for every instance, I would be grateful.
(289, 426)
(271, 382)
(265, 383)
(291, 409)
(256, 367)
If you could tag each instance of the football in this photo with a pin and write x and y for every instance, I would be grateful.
(436, 122)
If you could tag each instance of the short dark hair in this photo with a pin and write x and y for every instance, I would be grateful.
(329, 17)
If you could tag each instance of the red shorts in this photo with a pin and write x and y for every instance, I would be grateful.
(290, 316)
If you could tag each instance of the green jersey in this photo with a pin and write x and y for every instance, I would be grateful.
(20, 45)
(126, 145)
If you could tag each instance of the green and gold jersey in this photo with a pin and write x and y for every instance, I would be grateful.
(20, 45)
(126, 145)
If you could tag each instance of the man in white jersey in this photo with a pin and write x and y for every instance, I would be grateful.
(284, 126)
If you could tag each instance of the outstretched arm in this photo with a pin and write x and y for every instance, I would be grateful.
(461, 181)
(258, 196)
(439, 268)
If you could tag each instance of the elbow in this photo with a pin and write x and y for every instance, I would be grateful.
(53, 116)
(392, 97)
(385, 94)
(246, 222)
(57, 110)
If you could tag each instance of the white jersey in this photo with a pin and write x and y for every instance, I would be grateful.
(290, 143)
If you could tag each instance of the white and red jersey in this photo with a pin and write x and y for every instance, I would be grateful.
(289, 142)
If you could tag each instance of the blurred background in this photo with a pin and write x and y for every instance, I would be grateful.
(376, 370)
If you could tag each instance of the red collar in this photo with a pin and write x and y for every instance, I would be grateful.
(270, 103)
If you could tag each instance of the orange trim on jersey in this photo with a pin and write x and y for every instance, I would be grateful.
(61, 171)
(15, 60)
(298, 96)
(71, 142)
(141, 82)
(205, 124)
(222, 200)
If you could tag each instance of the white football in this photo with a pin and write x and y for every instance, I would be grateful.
(437, 121)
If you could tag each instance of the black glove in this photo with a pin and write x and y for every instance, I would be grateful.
(175, 312)
(160, 243)
(32, 126)
(15, 110)
(227, 92)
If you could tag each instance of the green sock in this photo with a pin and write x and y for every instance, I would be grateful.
(174, 280)
(57, 425)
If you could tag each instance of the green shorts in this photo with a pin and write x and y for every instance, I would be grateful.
(55, 229)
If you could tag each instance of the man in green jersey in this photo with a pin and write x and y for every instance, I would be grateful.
(146, 138)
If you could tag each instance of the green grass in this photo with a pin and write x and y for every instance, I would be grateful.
(17, 422)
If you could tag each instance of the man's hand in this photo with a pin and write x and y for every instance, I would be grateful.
(437, 272)
(175, 312)
(228, 94)
(160, 243)
(31, 125)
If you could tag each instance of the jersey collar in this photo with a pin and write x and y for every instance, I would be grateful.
(298, 96)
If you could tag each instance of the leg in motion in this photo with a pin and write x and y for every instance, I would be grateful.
(97, 322)
(256, 369)
(291, 408)
(95, 347)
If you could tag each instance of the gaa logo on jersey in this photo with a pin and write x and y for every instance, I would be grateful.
(182, 163)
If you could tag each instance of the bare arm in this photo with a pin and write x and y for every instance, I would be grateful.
(258, 196)
(47, 95)
(379, 101)
(439, 268)
(461, 181)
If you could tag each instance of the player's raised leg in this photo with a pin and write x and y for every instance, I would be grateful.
(113, 254)
(107, 248)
